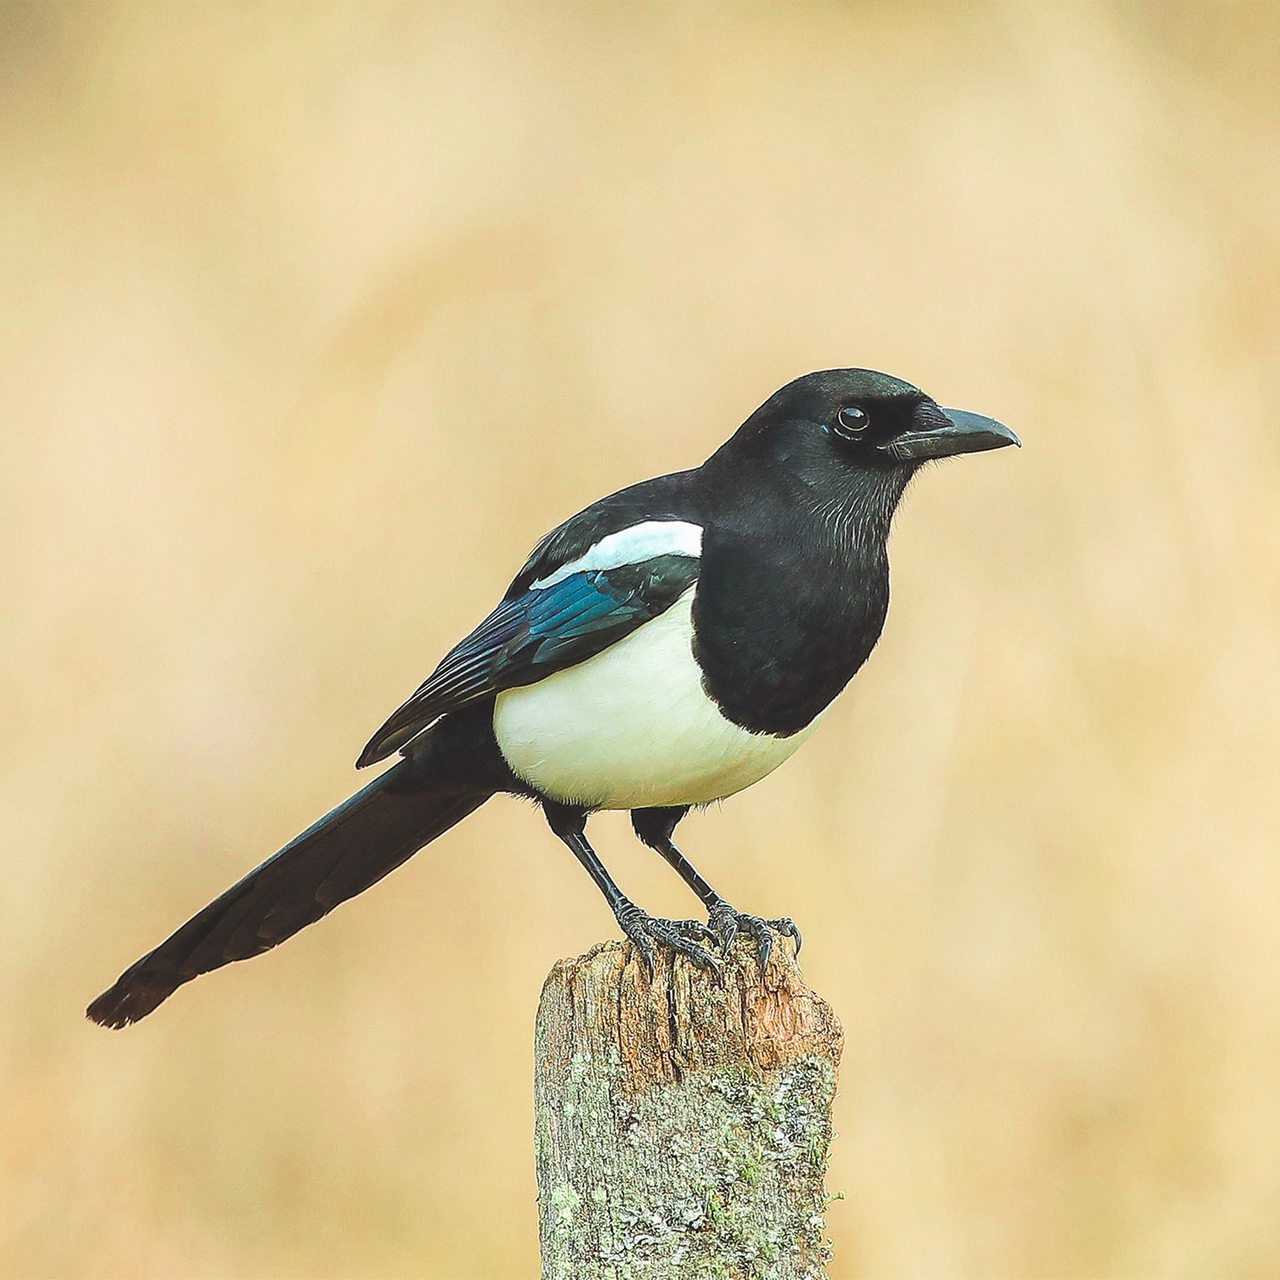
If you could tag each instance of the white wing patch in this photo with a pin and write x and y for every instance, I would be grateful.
(635, 545)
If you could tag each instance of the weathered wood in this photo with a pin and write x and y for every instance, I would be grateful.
(682, 1124)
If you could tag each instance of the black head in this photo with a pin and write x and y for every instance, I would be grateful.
(859, 418)
(842, 440)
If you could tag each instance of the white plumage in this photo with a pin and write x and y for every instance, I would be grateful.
(632, 727)
(634, 545)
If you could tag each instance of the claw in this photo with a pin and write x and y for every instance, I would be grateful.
(723, 920)
(640, 940)
(763, 935)
(728, 923)
(644, 930)
(785, 925)
(694, 928)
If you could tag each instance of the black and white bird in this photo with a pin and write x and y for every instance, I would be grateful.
(667, 647)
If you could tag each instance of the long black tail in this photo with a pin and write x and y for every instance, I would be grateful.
(344, 853)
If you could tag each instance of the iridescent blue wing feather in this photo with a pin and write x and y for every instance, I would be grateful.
(556, 622)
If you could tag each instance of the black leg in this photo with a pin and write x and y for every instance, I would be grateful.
(656, 827)
(569, 823)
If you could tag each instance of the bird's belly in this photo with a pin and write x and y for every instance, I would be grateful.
(633, 728)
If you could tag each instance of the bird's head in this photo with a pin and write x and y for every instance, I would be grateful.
(847, 431)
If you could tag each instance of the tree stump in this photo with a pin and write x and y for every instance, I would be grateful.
(682, 1123)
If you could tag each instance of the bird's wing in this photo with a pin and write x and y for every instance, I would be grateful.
(559, 611)
(625, 515)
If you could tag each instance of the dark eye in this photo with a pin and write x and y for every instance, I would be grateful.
(852, 422)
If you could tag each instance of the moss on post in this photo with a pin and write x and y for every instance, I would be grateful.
(682, 1124)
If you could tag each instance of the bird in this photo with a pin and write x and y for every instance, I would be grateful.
(668, 646)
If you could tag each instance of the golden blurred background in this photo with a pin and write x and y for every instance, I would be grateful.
(319, 315)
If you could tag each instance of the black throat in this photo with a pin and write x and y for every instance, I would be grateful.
(794, 587)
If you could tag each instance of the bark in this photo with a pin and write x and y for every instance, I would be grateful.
(682, 1124)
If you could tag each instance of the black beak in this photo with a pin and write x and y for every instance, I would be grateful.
(942, 433)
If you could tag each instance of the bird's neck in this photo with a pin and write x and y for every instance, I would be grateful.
(792, 600)
(852, 523)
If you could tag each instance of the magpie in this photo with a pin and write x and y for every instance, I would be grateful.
(666, 647)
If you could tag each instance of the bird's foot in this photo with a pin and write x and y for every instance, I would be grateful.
(680, 935)
(726, 924)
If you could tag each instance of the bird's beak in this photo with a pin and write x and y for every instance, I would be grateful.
(942, 433)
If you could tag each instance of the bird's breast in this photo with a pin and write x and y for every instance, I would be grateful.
(784, 621)
(633, 727)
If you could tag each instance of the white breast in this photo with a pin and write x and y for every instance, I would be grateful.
(632, 727)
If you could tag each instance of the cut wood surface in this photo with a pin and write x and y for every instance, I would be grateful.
(683, 1123)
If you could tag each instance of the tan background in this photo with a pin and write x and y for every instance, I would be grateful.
(317, 316)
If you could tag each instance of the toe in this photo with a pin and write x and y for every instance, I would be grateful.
(666, 931)
(787, 928)
(644, 930)
(645, 949)
(633, 925)
(724, 921)
(728, 923)
(693, 929)
(763, 935)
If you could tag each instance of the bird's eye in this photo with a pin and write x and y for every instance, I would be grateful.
(852, 422)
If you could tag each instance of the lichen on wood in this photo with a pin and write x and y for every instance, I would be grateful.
(683, 1122)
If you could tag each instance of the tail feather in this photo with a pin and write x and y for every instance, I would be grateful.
(349, 849)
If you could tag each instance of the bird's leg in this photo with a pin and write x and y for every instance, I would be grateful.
(655, 828)
(569, 823)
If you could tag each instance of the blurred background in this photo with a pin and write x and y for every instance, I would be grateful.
(319, 316)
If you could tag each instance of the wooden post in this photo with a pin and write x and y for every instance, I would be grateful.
(682, 1124)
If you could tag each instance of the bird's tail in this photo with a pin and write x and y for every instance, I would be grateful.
(344, 853)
